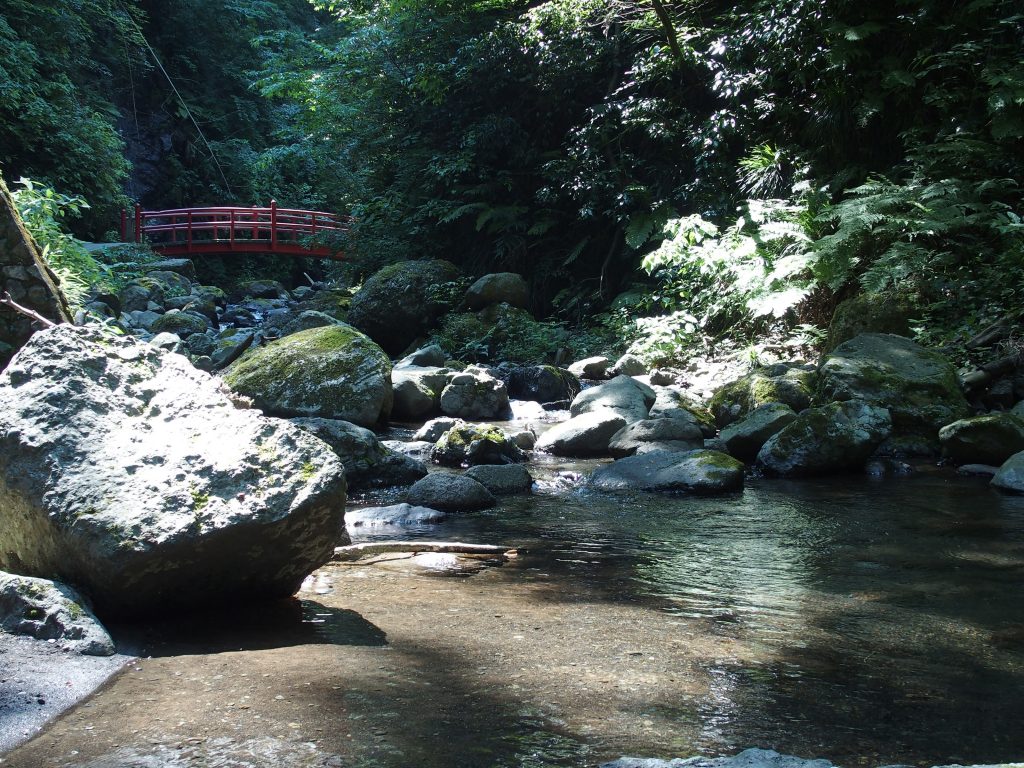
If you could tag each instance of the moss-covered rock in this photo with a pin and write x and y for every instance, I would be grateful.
(402, 301)
(990, 439)
(792, 385)
(674, 403)
(835, 437)
(475, 394)
(869, 313)
(496, 288)
(743, 439)
(698, 471)
(918, 386)
(184, 324)
(333, 372)
(470, 444)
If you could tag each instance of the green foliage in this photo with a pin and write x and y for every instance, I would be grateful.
(60, 63)
(43, 210)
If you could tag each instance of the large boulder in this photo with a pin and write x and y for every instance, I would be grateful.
(990, 439)
(368, 463)
(792, 385)
(586, 435)
(743, 439)
(699, 471)
(919, 387)
(475, 394)
(450, 493)
(129, 473)
(184, 324)
(401, 302)
(48, 610)
(496, 288)
(683, 434)
(333, 372)
(469, 444)
(623, 395)
(834, 437)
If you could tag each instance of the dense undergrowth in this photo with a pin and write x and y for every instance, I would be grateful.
(673, 177)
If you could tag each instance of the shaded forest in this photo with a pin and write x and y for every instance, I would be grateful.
(678, 175)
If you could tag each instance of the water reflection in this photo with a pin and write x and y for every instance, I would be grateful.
(886, 613)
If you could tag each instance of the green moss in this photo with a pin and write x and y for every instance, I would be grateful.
(199, 498)
(719, 461)
(308, 471)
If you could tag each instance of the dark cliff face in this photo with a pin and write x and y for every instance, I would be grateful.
(26, 279)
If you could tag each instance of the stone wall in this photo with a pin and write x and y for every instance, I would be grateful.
(27, 279)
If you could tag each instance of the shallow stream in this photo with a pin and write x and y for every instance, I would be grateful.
(868, 621)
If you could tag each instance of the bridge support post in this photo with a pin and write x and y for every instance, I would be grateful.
(138, 223)
(273, 225)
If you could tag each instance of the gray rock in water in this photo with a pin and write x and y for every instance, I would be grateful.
(368, 463)
(1010, 476)
(48, 610)
(743, 439)
(832, 438)
(431, 431)
(700, 471)
(591, 368)
(502, 480)
(919, 387)
(394, 515)
(496, 288)
(475, 394)
(624, 395)
(415, 449)
(418, 392)
(627, 440)
(989, 439)
(585, 435)
(673, 403)
(450, 493)
(750, 758)
(334, 372)
(127, 472)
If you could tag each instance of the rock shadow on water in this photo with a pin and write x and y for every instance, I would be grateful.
(252, 627)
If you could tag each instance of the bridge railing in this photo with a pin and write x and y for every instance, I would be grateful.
(225, 229)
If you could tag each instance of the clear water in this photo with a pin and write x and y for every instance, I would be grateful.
(886, 616)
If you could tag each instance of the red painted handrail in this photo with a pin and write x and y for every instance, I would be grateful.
(233, 229)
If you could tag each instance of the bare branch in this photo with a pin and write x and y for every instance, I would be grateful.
(7, 301)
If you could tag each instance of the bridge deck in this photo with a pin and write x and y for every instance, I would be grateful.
(231, 229)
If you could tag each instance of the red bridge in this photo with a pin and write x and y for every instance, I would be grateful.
(185, 231)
